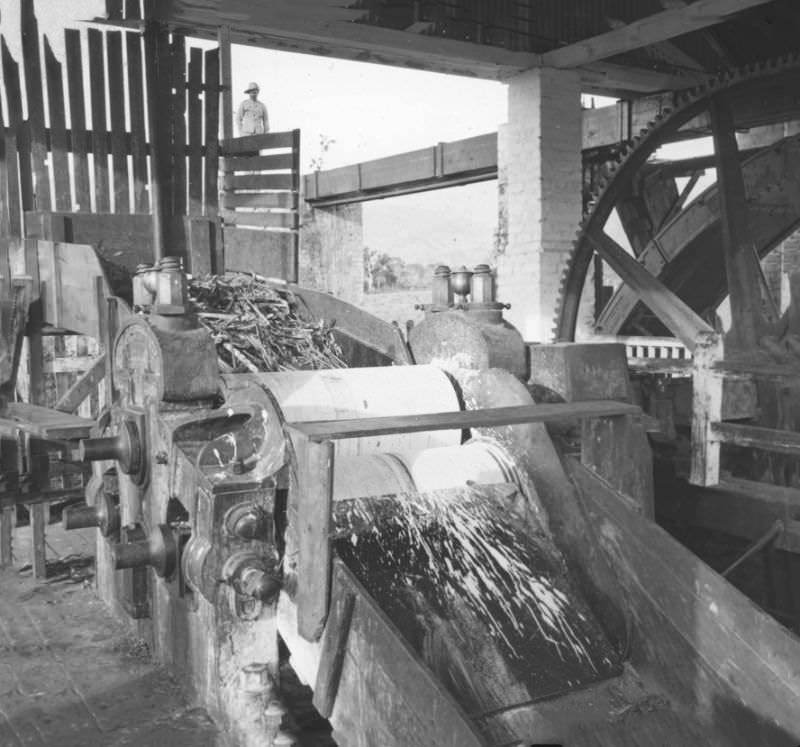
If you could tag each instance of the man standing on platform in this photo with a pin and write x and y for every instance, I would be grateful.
(251, 117)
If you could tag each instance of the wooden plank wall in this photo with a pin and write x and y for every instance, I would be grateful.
(85, 148)
(260, 203)
(83, 151)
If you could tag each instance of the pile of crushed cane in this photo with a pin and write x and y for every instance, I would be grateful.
(257, 325)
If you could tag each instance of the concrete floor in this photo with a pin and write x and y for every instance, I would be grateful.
(70, 676)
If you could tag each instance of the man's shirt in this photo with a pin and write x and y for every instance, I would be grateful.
(252, 118)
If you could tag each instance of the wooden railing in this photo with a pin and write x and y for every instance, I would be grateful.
(260, 203)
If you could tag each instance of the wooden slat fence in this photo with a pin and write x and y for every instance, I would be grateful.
(72, 156)
(260, 203)
(84, 147)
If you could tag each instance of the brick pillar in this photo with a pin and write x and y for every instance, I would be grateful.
(331, 251)
(539, 170)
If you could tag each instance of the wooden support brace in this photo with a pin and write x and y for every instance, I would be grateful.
(676, 315)
(334, 647)
(72, 399)
(38, 512)
(314, 499)
(754, 437)
(8, 516)
(707, 399)
(741, 264)
(35, 321)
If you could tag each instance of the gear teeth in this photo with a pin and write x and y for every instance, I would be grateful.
(627, 158)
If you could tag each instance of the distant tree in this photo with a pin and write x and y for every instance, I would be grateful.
(415, 275)
(369, 257)
(325, 143)
(380, 270)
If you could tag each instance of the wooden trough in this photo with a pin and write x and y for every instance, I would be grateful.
(690, 659)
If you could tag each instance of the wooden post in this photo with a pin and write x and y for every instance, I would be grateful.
(34, 331)
(58, 130)
(133, 44)
(5, 215)
(199, 232)
(616, 448)
(97, 90)
(195, 116)
(741, 264)
(211, 114)
(334, 647)
(293, 275)
(36, 373)
(8, 515)
(314, 496)
(707, 385)
(224, 38)
(35, 98)
(22, 142)
(178, 124)
(119, 155)
(155, 64)
(38, 525)
(77, 115)
(110, 318)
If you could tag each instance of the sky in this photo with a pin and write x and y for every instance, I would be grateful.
(368, 111)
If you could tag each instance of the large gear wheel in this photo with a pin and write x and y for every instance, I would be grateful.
(684, 252)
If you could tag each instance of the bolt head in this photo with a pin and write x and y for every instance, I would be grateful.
(255, 678)
(273, 716)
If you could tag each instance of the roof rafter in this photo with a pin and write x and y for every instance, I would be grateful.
(324, 29)
(652, 29)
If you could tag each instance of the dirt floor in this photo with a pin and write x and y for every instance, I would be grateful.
(70, 676)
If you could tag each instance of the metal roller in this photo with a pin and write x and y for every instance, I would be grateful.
(345, 394)
(480, 461)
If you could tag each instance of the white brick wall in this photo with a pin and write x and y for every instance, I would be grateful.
(331, 251)
(539, 159)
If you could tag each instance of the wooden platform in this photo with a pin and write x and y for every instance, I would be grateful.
(42, 422)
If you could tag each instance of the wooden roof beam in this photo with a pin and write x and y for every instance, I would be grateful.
(708, 35)
(302, 26)
(652, 29)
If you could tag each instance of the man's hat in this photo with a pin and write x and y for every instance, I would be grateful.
(252, 87)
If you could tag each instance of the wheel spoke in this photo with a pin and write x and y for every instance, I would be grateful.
(676, 315)
(742, 268)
